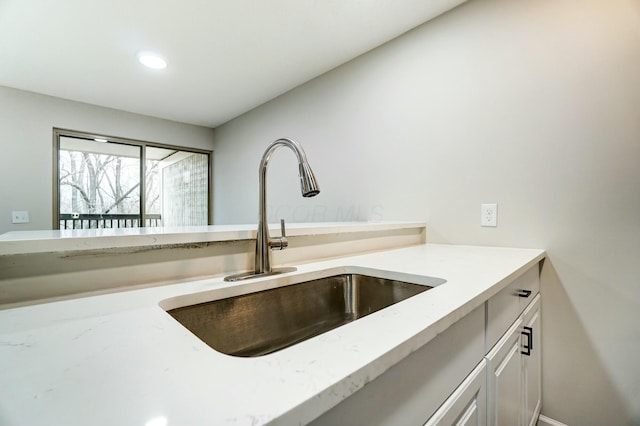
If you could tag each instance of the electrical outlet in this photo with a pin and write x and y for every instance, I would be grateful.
(20, 216)
(489, 215)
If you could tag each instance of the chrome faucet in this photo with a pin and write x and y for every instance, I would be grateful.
(264, 243)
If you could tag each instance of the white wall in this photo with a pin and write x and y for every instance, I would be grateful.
(26, 163)
(533, 104)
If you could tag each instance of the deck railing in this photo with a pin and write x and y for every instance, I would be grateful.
(94, 221)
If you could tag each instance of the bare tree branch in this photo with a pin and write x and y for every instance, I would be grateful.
(79, 189)
(119, 200)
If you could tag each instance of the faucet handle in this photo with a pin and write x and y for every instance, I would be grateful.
(280, 243)
(282, 230)
(284, 243)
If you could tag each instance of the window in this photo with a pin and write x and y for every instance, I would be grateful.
(106, 182)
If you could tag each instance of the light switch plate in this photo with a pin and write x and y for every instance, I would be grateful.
(489, 215)
(21, 216)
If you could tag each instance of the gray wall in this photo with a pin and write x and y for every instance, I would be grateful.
(532, 104)
(26, 162)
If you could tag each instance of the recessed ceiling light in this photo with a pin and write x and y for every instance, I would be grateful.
(152, 60)
(158, 421)
(100, 140)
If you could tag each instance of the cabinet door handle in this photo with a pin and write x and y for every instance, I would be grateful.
(528, 332)
(524, 293)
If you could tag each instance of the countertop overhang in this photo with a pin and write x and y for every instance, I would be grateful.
(30, 242)
(121, 359)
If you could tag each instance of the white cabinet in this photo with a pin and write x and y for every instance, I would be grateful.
(474, 373)
(467, 405)
(514, 372)
(509, 393)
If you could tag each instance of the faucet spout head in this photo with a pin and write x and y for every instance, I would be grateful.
(308, 184)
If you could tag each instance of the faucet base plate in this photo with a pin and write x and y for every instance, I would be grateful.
(252, 274)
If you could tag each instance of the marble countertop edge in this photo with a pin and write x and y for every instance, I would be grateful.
(29, 242)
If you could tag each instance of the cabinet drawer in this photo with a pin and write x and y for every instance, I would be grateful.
(505, 307)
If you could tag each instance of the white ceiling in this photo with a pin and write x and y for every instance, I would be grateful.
(225, 56)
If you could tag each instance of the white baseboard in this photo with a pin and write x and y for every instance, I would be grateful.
(546, 421)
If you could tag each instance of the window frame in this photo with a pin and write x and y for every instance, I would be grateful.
(58, 132)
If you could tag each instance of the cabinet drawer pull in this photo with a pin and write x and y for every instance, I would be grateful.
(524, 293)
(528, 331)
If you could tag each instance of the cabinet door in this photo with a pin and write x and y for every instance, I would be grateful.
(505, 379)
(466, 405)
(531, 364)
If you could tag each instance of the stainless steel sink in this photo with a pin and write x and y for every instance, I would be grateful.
(260, 323)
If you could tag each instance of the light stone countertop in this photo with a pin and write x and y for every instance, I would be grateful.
(121, 359)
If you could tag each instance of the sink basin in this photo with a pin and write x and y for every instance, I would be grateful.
(260, 323)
